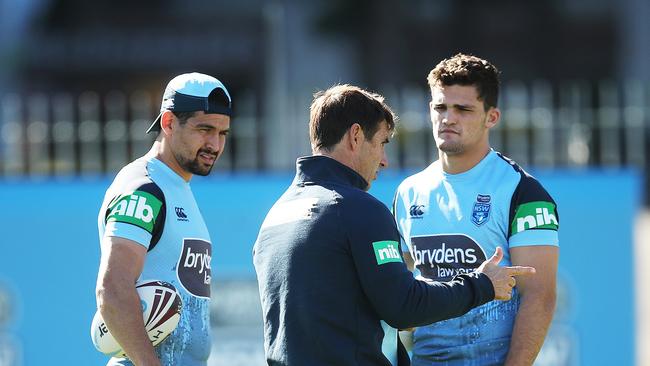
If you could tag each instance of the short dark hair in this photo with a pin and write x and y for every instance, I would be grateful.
(336, 109)
(183, 116)
(463, 69)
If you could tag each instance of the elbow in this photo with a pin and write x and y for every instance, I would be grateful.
(398, 320)
(107, 294)
(549, 302)
(398, 323)
(543, 301)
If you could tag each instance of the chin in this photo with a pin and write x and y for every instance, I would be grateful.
(201, 170)
(450, 149)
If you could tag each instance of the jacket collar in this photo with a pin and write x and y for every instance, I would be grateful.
(319, 168)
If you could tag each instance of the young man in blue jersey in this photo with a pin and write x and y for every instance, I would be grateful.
(333, 285)
(150, 226)
(464, 205)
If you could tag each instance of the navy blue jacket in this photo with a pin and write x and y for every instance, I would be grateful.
(330, 270)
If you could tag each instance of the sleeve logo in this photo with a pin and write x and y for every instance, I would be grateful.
(138, 208)
(534, 215)
(386, 251)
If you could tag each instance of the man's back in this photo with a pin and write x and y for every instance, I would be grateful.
(314, 308)
(333, 285)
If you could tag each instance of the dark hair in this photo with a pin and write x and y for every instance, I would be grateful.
(463, 69)
(183, 116)
(336, 109)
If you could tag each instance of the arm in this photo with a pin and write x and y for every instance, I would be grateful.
(396, 296)
(537, 302)
(117, 300)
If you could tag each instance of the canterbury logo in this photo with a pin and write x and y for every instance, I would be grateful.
(416, 210)
(180, 213)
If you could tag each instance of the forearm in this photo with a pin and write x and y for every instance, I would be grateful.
(120, 307)
(531, 325)
(429, 302)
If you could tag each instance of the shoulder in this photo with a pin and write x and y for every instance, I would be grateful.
(358, 205)
(133, 195)
(135, 177)
(533, 214)
(528, 187)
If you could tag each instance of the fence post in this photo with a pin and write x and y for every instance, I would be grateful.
(63, 134)
(89, 133)
(141, 108)
(609, 124)
(37, 136)
(413, 105)
(634, 117)
(115, 131)
(541, 118)
(12, 135)
(516, 121)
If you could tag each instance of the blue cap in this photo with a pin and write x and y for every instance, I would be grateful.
(194, 92)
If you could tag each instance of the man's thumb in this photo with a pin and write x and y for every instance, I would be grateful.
(497, 256)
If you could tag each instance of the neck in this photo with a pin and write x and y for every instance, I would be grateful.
(162, 152)
(460, 163)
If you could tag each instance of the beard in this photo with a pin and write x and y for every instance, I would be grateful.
(194, 166)
(449, 147)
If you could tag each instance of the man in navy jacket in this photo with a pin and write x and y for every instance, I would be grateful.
(332, 281)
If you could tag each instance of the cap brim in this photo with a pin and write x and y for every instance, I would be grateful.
(155, 126)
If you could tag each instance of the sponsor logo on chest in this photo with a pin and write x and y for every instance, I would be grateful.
(441, 257)
(194, 268)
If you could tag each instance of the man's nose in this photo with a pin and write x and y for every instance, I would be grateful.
(384, 161)
(215, 143)
(448, 118)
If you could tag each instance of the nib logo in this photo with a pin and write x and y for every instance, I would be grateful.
(534, 215)
(386, 251)
(139, 208)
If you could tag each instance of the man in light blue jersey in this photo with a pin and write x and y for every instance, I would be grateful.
(150, 226)
(454, 213)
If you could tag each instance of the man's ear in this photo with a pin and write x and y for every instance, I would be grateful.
(166, 122)
(355, 136)
(493, 116)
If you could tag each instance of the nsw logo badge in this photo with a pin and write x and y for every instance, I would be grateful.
(481, 210)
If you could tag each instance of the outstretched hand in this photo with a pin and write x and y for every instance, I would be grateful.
(503, 278)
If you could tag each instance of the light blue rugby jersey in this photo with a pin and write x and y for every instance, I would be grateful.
(450, 224)
(152, 205)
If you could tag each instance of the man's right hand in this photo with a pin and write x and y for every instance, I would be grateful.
(503, 278)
